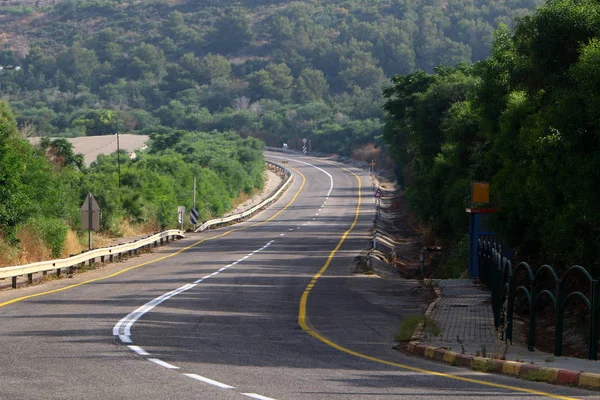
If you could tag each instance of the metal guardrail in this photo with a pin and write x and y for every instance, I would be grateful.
(88, 256)
(132, 248)
(540, 288)
(281, 150)
(236, 217)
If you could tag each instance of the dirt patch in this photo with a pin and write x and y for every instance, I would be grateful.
(244, 202)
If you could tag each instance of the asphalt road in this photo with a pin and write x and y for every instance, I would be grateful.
(266, 309)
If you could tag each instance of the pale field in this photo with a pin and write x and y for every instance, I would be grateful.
(92, 146)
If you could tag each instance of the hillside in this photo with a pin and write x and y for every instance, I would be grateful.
(276, 70)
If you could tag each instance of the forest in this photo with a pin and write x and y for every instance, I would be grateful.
(42, 187)
(276, 70)
(526, 119)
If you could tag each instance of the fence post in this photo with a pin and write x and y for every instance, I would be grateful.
(593, 345)
(558, 338)
(531, 335)
(509, 306)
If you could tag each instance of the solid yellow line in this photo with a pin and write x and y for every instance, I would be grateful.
(303, 322)
(161, 258)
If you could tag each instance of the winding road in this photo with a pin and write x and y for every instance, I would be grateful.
(266, 309)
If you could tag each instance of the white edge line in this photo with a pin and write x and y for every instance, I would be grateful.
(162, 363)
(209, 381)
(257, 396)
(314, 166)
(125, 339)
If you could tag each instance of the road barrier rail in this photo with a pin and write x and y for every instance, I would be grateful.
(539, 290)
(79, 260)
(251, 211)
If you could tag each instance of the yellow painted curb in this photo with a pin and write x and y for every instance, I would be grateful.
(549, 375)
(429, 351)
(511, 368)
(588, 379)
(450, 357)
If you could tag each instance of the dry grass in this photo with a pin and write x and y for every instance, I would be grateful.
(73, 244)
(8, 255)
(243, 197)
(32, 247)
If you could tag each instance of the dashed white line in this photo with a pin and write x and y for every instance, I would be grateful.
(317, 214)
(209, 381)
(291, 229)
(139, 350)
(162, 363)
(123, 328)
(314, 219)
(257, 396)
(283, 234)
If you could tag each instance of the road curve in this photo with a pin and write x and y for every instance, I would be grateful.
(267, 309)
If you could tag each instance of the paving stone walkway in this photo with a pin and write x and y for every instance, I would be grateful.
(464, 315)
(465, 320)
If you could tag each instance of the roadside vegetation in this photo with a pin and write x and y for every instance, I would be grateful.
(276, 70)
(526, 120)
(42, 187)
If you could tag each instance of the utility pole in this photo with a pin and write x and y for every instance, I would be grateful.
(119, 162)
(194, 197)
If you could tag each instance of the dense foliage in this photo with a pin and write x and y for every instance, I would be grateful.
(277, 70)
(527, 120)
(45, 185)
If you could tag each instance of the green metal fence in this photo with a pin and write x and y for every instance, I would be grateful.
(536, 287)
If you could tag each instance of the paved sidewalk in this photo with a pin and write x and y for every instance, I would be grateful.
(465, 336)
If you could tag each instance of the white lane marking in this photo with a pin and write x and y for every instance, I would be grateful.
(317, 214)
(314, 219)
(125, 339)
(139, 350)
(162, 363)
(257, 396)
(123, 327)
(283, 234)
(291, 229)
(314, 166)
(209, 381)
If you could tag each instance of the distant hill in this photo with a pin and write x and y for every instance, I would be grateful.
(278, 70)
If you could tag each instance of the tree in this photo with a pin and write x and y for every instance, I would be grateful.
(311, 85)
(78, 64)
(231, 32)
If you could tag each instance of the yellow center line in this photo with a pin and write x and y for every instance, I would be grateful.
(305, 325)
(160, 258)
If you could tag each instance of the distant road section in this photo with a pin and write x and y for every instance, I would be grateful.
(92, 146)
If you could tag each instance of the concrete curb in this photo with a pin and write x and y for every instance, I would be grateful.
(418, 333)
(531, 372)
(521, 370)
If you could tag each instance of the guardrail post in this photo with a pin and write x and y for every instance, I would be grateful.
(72, 269)
(30, 278)
(102, 259)
(161, 241)
(44, 273)
(58, 272)
(14, 282)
